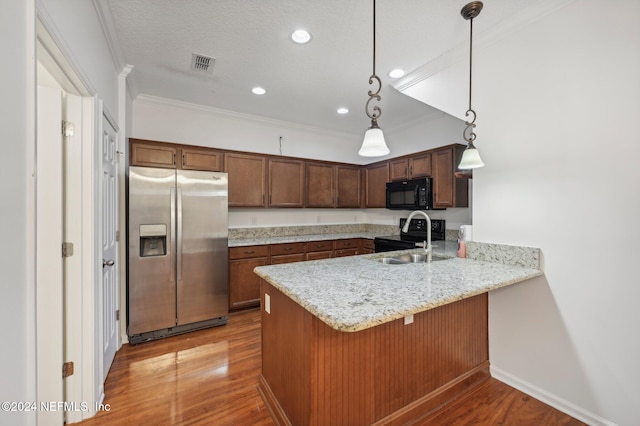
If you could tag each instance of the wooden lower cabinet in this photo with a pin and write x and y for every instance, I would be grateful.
(287, 253)
(389, 374)
(320, 250)
(367, 246)
(244, 284)
(348, 247)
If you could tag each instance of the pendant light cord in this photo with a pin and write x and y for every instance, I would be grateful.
(374, 37)
(470, 59)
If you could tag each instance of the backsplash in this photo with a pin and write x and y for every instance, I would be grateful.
(528, 257)
(287, 231)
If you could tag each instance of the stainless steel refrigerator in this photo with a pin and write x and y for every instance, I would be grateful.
(178, 261)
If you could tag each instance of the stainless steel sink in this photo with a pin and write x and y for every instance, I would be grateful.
(404, 259)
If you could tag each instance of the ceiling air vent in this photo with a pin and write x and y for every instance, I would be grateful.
(201, 63)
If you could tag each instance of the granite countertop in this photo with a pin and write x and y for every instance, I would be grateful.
(357, 292)
(256, 241)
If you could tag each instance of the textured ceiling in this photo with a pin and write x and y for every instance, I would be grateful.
(305, 83)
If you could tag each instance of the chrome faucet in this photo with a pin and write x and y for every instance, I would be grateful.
(427, 246)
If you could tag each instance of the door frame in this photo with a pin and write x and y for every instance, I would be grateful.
(83, 336)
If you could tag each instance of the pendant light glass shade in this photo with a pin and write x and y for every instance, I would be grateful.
(374, 144)
(470, 158)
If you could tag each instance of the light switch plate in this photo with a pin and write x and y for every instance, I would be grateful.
(408, 319)
(267, 303)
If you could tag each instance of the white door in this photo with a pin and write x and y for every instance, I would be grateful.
(110, 284)
(49, 265)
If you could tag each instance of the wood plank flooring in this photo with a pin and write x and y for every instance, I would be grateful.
(210, 377)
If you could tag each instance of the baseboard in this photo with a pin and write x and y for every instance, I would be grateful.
(550, 399)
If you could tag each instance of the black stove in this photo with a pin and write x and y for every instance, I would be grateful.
(417, 233)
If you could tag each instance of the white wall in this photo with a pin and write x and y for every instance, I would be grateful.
(17, 85)
(558, 117)
(76, 24)
(171, 121)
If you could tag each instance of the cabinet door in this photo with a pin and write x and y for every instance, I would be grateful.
(366, 246)
(398, 169)
(286, 183)
(320, 185)
(448, 191)
(244, 284)
(247, 176)
(377, 177)
(149, 155)
(317, 255)
(420, 165)
(201, 159)
(348, 188)
(287, 258)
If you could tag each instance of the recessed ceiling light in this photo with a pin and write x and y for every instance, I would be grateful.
(396, 73)
(301, 36)
(258, 91)
(343, 110)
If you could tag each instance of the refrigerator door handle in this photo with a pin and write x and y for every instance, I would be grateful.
(179, 236)
(172, 192)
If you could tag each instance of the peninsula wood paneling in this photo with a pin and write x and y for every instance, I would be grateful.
(388, 374)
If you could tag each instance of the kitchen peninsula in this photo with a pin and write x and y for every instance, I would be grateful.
(356, 341)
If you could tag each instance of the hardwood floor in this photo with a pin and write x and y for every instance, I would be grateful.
(210, 377)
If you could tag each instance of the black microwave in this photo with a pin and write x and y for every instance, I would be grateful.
(413, 194)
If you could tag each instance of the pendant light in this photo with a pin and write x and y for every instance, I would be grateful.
(374, 144)
(470, 157)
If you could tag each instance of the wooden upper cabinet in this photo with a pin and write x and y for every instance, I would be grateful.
(411, 167)
(376, 177)
(152, 155)
(320, 185)
(399, 169)
(448, 191)
(201, 159)
(420, 165)
(348, 189)
(247, 179)
(286, 183)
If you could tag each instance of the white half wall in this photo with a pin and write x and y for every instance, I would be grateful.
(557, 105)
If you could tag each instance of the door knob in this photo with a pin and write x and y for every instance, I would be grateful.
(107, 263)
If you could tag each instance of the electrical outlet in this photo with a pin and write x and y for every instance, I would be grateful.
(267, 303)
(408, 319)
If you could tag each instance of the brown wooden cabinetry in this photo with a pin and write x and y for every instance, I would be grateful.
(153, 155)
(376, 178)
(398, 169)
(320, 185)
(420, 165)
(257, 180)
(287, 253)
(331, 185)
(367, 246)
(410, 167)
(247, 179)
(244, 284)
(348, 187)
(286, 183)
(201, 159)
(448, 191)
(319, 250)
